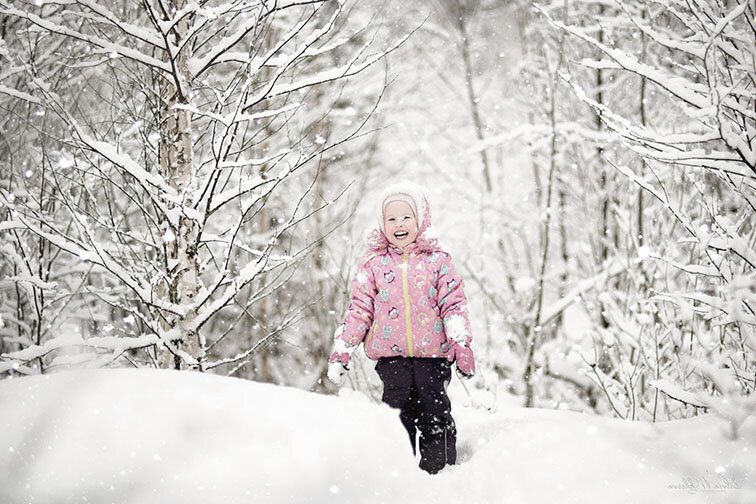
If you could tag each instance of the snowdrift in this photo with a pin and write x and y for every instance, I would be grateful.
(148, 436)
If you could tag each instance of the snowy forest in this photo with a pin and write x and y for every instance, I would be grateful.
(186, 184)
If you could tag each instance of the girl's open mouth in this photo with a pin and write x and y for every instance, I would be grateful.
(400, 234)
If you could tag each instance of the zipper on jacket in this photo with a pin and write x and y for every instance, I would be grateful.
(407, 321)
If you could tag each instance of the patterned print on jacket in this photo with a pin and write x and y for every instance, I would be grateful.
(405, 303)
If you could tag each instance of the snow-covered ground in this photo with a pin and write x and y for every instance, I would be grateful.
(144, 436)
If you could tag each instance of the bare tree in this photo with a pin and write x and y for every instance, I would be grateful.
(191, 123)
(710, 148)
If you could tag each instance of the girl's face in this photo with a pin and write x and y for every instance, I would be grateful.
(400, 223)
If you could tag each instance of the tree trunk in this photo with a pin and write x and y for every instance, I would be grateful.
(182, 280)
(535, 332)
(603, 177)
(472, 97)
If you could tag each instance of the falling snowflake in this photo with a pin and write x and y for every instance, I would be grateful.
(169, 237)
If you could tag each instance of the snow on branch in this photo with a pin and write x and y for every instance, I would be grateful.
(245, 276)
(105, 16)
(348, 69)
(233, 118)
(158, 231)
(693, 269)
(691, 48)
(105, 45)
(20, 95)
(97, 255)
(681, 88)
(121, 160)
(246, 162)
(31, 280)
(112, 346)
(732, 241)
(660, 195)
(247, 354)
(584, 286)
(198, 65)
(678, 393)
(669, 148)
(289, 60)
(124, 161)
(245, 186)
(36, 351)
(710, 95)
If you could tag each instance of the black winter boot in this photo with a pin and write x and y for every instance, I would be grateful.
(438, 447)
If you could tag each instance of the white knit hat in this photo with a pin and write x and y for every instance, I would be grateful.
(412, 194)
(396, 197)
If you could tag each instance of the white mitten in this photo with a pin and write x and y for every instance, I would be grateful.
(337, 373)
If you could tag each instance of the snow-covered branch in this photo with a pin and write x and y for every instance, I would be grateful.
(104, 45)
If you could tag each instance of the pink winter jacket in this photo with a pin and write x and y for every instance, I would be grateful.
(404, 302)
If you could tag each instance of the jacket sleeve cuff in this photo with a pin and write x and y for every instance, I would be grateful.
(343, 358)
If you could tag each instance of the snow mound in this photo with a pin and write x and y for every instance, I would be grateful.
(148, 436)
(144, 436)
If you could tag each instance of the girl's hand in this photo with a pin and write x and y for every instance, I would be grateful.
(337, 373)
(338, 367)
(465, 360)
(462, 375)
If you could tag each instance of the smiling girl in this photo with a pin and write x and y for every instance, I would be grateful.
(409, 309)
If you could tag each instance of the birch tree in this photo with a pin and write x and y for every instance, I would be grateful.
(180, 122)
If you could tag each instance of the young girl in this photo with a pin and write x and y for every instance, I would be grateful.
(408, 307)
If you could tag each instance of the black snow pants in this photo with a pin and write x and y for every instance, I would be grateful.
(417, 387)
